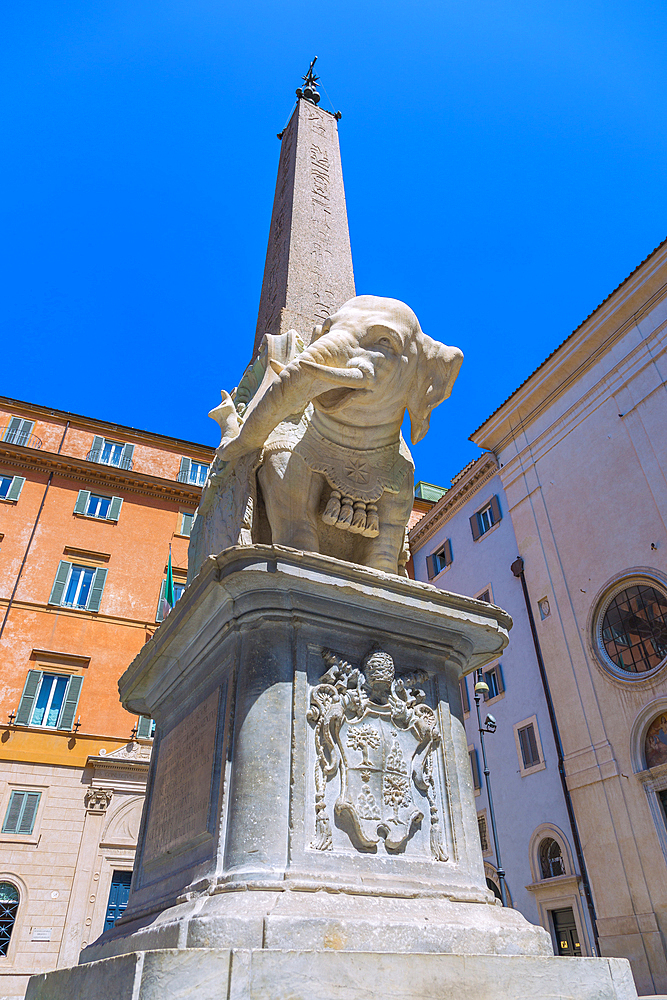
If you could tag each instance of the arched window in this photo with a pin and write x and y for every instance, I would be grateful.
(551, 858)
(655, 742)
(9, 904)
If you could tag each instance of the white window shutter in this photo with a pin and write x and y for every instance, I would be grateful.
(126, 456)
(96, 448)
(14, 491)
(58, 589)
(81, 505)
(186, 524)
(184, 472)
(144, 726)
(114, 508)
(160, 611)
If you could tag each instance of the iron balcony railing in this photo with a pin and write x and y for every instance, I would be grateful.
(124, 462)
(11, 435)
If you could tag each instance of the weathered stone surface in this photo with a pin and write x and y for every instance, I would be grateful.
(308, 271)
(266, 974)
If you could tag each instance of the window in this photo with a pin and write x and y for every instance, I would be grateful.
(145, 727)
(78, 586)
(192, 472)
(494, 678)
(49, 700)
(9, 904)
(118, 897)
(21, 812)
(18, 431)
(655, 742)
(11, 486)
(163, 608)
(483, 833)
(185, 523)
(465, 700)
(474, 767)
(94, 505)
(111, 453)
(483, 520)
(551, 858)
(485, 596)
(631, 627)
(439, 560)
(528, 745)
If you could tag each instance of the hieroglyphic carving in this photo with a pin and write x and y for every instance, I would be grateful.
(373, 730)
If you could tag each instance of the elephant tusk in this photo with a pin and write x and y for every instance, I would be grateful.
(336, 375)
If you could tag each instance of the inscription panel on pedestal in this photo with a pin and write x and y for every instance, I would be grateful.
(181, 796)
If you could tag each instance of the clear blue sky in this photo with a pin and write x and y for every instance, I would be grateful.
(504, 166)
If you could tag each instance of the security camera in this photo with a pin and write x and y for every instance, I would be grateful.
(490, 723)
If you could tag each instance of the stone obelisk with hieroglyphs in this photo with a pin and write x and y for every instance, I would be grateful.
(308, 271)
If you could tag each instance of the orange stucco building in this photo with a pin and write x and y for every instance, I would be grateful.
(88, 511)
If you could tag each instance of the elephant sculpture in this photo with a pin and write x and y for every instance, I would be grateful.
(312, 454)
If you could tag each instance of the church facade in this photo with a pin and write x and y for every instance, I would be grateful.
(576, 469)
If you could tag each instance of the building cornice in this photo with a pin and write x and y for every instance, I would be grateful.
(83, 471)
(620, 312)
(93, 424)
(464, 486)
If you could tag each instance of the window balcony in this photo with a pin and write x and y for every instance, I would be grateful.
(102, 457)
(11, 434)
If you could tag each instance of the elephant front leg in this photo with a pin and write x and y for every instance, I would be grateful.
(394, 511)
(291, 496)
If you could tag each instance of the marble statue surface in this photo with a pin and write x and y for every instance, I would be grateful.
(312, 455)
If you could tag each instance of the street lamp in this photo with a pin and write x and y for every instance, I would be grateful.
(481, 687)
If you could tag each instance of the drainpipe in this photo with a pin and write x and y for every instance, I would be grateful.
(518, 570)
(32, 535)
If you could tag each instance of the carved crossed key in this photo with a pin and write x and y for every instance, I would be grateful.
(357, 715)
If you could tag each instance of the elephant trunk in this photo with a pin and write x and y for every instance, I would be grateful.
(296, 385)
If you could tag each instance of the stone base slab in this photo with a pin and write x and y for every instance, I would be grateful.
(266, 974)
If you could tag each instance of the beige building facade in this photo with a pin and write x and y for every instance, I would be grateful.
(581, 450)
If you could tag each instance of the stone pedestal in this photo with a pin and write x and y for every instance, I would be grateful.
(310, 828)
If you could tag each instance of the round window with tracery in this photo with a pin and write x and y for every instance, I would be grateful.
(632, 628)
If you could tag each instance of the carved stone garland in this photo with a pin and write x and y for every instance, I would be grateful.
(358, 712)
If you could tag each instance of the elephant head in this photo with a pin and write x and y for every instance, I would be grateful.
(365, 366)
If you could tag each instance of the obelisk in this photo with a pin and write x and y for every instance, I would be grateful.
(308, 271)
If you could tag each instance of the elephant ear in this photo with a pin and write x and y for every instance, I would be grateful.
(437, 368)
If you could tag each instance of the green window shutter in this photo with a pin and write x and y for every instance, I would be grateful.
(14, 491)
(144, 726)
(11, 823)
(126, 456)
(28, 697)
(474, 527)
(447, 553)
(431, 569)
(96, 589)
(71, 701)
(465, 700)
(81, 505)
(96, 448)
(474, 767)
(495, 509)
(186, 524)
(114, 508)
(184, 472)
(27, 820)
(159, 616)
(59, 584)
(13, 428)
(501, 679)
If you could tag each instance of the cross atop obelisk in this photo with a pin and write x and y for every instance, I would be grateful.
(308, 271)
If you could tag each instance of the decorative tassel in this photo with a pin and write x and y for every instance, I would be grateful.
(359, 519)
(346, 512)
(330, 515)
(372, 529)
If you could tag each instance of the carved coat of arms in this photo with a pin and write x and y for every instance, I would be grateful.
(374, 733)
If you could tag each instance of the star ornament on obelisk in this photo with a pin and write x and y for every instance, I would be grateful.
(308, 272)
